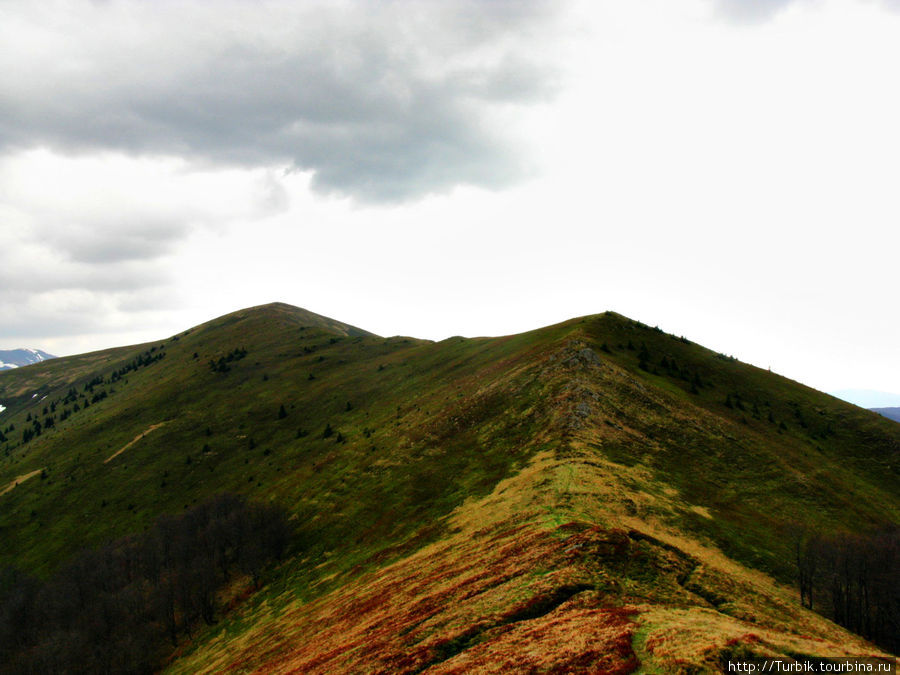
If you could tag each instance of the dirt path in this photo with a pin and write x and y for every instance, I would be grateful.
(152, 427)
(18, 481)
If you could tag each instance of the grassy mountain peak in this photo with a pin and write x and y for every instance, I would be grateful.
(289, 314)
(596, 494)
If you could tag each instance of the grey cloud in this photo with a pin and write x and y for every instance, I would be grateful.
(44, 295)
(26, 325)
(751, 11)
(107, 244)
(272, 196)
(759, 11)
(27, 321)
(53, 259)
(29, 317)
(35, 275)
(382, 102)
(129, 238)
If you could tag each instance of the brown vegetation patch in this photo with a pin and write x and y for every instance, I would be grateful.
(576, 640)
(697, 639)
(468, 604)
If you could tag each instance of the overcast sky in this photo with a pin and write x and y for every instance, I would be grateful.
(726, 169)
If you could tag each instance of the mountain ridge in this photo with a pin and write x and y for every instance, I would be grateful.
(675, 466)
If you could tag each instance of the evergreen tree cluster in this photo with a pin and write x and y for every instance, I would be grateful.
(668, 366)
(142, 361)
(90, 394)
(223, 363)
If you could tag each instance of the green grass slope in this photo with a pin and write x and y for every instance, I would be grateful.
(384, 448)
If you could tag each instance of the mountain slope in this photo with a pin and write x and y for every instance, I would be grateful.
(458, 500)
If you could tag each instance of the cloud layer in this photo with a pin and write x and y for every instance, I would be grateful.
(751, 11)
(381, 101)
(86, 243)
(128, 128)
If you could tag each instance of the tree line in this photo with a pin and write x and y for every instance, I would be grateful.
(72, 396)
(114, 608)
(854, 579)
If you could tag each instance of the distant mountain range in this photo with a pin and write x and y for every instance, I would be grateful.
(16, 358)
(882, 402)
(890, 413)
(868, 398)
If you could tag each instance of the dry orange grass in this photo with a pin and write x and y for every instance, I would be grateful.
(529, 582)
(695, 639)
(408, 615)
